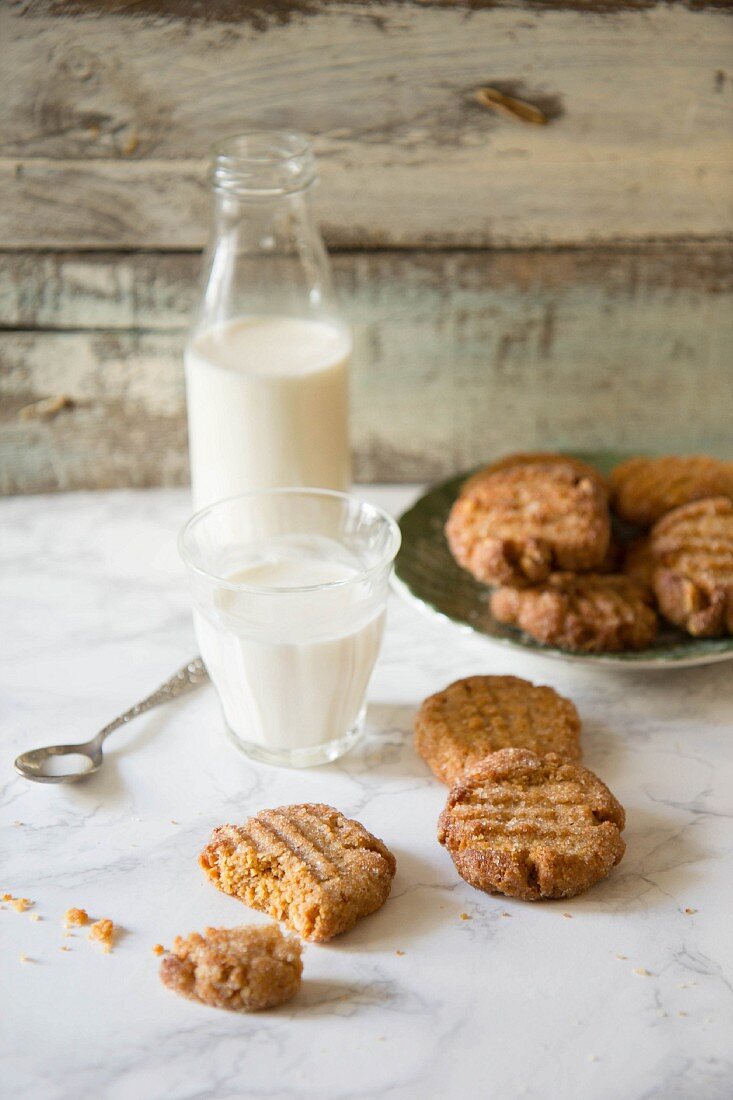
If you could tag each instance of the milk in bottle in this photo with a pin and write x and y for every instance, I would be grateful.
(267, 359)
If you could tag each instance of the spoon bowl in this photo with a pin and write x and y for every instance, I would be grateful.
(38, 764)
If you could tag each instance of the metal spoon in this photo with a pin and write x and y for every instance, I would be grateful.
(31, 764)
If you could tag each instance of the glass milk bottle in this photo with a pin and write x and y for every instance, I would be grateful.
(267, 359)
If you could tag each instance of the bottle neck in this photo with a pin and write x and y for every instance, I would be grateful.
(265, 253)
(263, 165)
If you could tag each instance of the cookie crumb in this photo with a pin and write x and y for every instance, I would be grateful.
(66, 949)
(592, 1058)
(622, 956)
(75, 918)
(19, 904)
(465, 916)
(643, 971)
(36, 916)
(158, 949)
(103, 931)
(23, 957)
(173, 821)
(690, 911)
(568, 916)
(681, 1013)
(7, 897)
(506, 914)
(398, 952)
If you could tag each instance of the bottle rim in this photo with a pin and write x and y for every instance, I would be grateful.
(263, 163)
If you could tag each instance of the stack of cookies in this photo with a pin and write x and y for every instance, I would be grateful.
(523, 817)
(538, 529)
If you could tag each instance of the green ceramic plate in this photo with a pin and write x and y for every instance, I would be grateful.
(426, 574)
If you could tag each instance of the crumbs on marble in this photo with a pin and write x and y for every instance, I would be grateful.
(398, 952)
(103, 931)
(66, 949)
(19, 904)
(506, 914)
(465, 916)
(682, 1013)
(642, 970)
(75, 918)
(592, 1057)
(23, 957)
(622, 956)
(158, 949)
(689, 911)
(36, 916)
(568, 916)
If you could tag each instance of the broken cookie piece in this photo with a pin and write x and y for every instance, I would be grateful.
(241, 969)
(307, 865)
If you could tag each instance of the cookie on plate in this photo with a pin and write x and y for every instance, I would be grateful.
(471, 718)
(306, 865)
(532, 826)
(644, 489)
(521, 523)
(692, 549)
(585, 613)
(241, 969)
(526, 458)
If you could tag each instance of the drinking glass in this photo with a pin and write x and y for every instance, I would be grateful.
(289, 590)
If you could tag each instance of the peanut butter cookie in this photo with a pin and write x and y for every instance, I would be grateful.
(586, 613)
(532, 826)
(307, 865)
(459, 726)
(521, 523)
(241, 969)
(527, 458)
(692, 549)
(644, 489)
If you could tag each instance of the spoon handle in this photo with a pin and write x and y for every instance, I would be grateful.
(187, 678)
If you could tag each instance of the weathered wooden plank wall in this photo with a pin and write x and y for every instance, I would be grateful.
(511, 285)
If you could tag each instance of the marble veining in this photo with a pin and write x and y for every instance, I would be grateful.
(520, 1000)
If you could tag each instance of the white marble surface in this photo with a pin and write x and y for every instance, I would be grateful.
(519, 1001)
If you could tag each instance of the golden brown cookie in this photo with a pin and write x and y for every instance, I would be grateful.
(587, 613)
(521, 523)
(526, 458)
(644, 489)
(307, 865)
(241, 969)
(692, 549)
(459, 726)
(532, 826)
